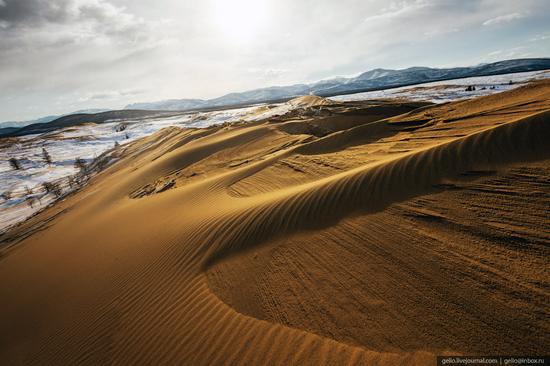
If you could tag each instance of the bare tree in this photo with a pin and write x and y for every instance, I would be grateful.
(80, 164)
(121, 127)
(72, 182)
(29, 198)
(53, 188)
(46, 156)
(6, 196)
(30, 201)
(15, 164)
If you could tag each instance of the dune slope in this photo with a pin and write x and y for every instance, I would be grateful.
(359, 233)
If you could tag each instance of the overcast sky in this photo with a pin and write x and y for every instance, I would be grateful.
(58, 56)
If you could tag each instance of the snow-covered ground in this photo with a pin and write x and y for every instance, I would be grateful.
(450, 90)
(64, 146)
(90, 140)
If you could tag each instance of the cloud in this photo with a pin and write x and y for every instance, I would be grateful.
(495, 53)
(79, 19)
(86, 53)
(539, 38)
(28, 12)
(268, 74)
(515, 52)
(504, 18)
(396, 10)
(109, 95)
(436, 32)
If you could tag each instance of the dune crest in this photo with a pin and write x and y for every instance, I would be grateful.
(310, 101)
(355, 236)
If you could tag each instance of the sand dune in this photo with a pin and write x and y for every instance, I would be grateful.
(349, 233)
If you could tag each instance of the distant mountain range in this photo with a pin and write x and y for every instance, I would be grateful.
(376, 79)
(18, 124)
(79, 118)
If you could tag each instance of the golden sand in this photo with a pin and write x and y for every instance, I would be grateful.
(360, 233)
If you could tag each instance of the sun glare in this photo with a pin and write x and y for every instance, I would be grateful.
(240, 20)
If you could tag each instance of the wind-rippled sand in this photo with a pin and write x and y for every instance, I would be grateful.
(350, 233)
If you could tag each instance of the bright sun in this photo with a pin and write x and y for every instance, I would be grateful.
(240, 20)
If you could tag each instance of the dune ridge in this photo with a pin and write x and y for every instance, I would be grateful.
(371, 188)
(127, 271)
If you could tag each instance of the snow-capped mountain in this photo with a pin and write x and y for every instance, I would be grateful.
(376, 79)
